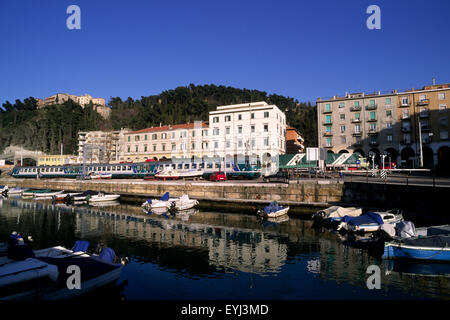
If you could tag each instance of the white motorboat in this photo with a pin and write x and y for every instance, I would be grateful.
(370, 221)
(4, 190)
(51, 267)
(167, 174)
(273, 210)
(183, 203)
(100, 175)
(191, 174)
(336, 213)
(40, 193)
(17, 191)
(165, 203)
(101, 197)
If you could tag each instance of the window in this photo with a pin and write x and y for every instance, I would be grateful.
(193, 146)
(405, 101)
(343, 140)
(128, 149)
(372, 103)
(357, 140)
(252, 116)
(372, 115)
(329, 142)
(388, 113)
(145, 148)
(154, 136)
(240, 143)
(356, 104)
(342, 116)
(266, 142)
(136, 148)
(327, 107)
(215, 119)
(164, 136)
(388, 101)
(216, 131)
(216, 144)
(441, 95)
(405, 114)
(443, 121)
(342, 129)
(357, 116)
(328, 119)
(253, 143)
(174, 147)
(227, 130)
(266, 128)
(373, 139)
(388, 125)
(357, 128)
(443, 134)
(373, 127)
(239, 129)
(154, 147)
(442, 108)
(239, 116)
(252, 129)
(129, 138)
(227, 118)
(145, 137)
(266, 114)
(163, 147)
(227, 143)
(136, 138)
(341, 104)
(204, 133)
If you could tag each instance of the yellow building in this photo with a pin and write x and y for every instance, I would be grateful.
(56, 160)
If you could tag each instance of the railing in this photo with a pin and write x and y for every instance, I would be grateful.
(405, 104)
(372, 120)
(327, 123)
(371, 107)
(424, 114)
(372, 131)
(355, 108)
(405, 142)
(357, 133)
(406, 116)
(373, 143)
(425, 128)
(327, 134)
(356, 120)
(406, 129)
(426, 140)
(327, 111)
(423, 102)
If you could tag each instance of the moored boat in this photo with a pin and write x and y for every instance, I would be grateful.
(15, 191)
(100, 197)
(168, 174)
(273, 210)
(40, 193)
(191, 174)
(369, 221)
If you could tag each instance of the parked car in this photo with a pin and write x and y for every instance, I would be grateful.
(218, 176)
(280, 176)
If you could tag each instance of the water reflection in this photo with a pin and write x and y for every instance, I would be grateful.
(241, 254)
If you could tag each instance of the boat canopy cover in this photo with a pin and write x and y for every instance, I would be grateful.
(149, 201)
(80, 245)
(367, 218)
(405, 229)
(89, 193)
(431, 241)
(440, 230)
(107, 255)
(165, 197)
(272, 207)
(339, 212)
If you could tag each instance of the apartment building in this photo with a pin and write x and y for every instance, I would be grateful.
(378, 124)
(100, 146)
(255, 131)
(166, 142)
(294, 141)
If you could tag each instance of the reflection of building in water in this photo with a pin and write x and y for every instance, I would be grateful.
(236, 248)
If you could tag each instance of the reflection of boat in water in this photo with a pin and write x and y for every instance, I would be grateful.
(417, 268)
(370, 221)
(273, 210)
(104, 203)
(278, 219)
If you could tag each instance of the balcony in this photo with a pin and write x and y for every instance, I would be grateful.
(406, 129)
(327, 111)
(404, 104)
(424, 114)
(355, 108)
(426, 140)
(357, 144)
(329, 146)
(371, 107)
(356, 120)
(327, 134)
(357, 133)
(372, 120)
(425, 128)
(406, 117)
(373, 143)
(423, 102)
(327, 123)
(372, 132)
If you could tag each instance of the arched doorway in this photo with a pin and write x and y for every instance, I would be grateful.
(391, 157)
(360, 152)
(444, 159)
(428, 161)
(343, 151)
(407, 155)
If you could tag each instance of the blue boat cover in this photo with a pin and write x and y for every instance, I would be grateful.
(165, 197)
(431, 241)
(107, 255)
(440, 230)
(367, 218)
(81, 245)
(272, 207)
(149, 201)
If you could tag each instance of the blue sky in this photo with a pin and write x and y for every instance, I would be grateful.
(302, 49)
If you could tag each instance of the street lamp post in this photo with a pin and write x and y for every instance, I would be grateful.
(382, 160)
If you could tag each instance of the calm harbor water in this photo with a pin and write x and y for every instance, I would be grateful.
(216, 255)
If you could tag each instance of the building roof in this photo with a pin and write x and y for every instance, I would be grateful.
(169, 128)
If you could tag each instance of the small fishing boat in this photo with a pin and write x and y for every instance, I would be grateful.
(273, 210)
(40, 193)
(429, 243)
(17, 191)
(369, 221)
(43, 274)
(100, 197)
(167, 174)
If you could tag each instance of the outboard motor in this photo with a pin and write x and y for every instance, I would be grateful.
(17, 248)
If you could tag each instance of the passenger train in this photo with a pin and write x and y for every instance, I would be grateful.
(138, 170)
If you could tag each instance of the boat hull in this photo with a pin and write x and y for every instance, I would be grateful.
(401, 251)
